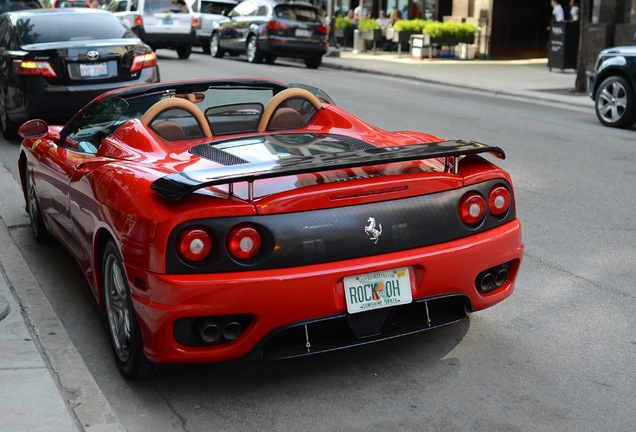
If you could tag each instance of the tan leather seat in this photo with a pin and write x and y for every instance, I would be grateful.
(280, 99)
(286, 118)
(176, 103)
(169, 130)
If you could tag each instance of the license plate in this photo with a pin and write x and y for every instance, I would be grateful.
(303, 33)
(377, 290)
(167, 21)
(93, 70)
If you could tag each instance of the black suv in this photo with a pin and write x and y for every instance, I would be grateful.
(267, 29)
(613, 86)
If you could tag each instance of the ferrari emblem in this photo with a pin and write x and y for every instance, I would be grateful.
(371, 230)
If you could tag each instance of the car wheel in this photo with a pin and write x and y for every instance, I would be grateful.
(206, 49)
(254, 54)
(614, 103)
(313, 62)
(215, 49)
(40, 232)
(270, 59)
(125, 334)
(184, 51)
(9, 128)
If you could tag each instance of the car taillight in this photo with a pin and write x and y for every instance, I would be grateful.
(194, 244)
(275, 25)
(499, 200)
(195, 23)
(322, 29)
(472, 208)
(35, 68)
(138, 21)
(142, 61)
(243, 242)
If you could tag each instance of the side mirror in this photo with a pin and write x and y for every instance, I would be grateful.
(33, 129)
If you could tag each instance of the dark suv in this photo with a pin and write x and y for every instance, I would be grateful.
(267, 29)
(613, 86)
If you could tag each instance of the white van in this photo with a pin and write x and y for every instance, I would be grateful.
(159, 23)
(208, 12)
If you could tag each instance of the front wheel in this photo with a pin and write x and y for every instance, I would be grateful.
(253, 52)
(38, 228)
(615, 102)
(215, 48)
(184, 51)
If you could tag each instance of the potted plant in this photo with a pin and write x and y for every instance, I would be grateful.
(449, 32)
(369, 29)
(344, 30)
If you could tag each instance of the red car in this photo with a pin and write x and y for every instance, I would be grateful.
(225, 219)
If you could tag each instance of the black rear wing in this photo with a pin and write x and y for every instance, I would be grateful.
(178, 185)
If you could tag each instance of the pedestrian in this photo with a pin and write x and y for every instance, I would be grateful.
(574, 11)
(557, 11)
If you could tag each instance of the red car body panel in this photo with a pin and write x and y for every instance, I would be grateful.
(88, 198)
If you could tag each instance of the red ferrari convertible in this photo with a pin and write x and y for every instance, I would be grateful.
(225, 219)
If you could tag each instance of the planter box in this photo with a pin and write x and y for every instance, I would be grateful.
(371, 35)
(345, 36)
(399, 36)
(451, 40)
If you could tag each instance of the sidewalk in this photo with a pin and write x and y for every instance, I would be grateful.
(50, 388)
(529, 79)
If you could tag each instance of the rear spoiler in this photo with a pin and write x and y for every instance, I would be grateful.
(178, 185)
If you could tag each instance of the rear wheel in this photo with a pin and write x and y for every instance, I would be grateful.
(184, 51)
(40, 233)
(313, 62)
(615, 103)
(125, 334)
(215, 48)
(9, 128)
(270, 59)
(253, 52)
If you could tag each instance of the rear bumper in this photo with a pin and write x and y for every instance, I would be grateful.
(166, 40)
(292, 48)
(283, 299)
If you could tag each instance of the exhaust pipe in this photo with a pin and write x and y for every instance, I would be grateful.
(232, 330)
(208, 330)
(501, 277)
(487, 281)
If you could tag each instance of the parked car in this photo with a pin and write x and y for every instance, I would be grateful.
(245, 218)
(50, 70)
(16, 5)
(167, 24)
(268, 29)
(209, 12)
(613, 86)
(60, 4)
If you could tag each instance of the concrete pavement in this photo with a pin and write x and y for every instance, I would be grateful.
(45, 383)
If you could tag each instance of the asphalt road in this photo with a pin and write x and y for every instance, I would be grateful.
(558, 355)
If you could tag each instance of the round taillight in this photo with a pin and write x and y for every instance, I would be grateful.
(499, 200)
(243, 242)
(194, 244)
(472, 208)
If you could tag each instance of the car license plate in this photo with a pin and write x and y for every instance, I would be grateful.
(93, 70)
(378, 290)
(167, 21)
(303, 33)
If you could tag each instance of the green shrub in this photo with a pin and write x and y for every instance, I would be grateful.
(436, 28)
(368, 24)
(343, 23)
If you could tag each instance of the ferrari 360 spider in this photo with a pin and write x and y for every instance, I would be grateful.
(247, 218)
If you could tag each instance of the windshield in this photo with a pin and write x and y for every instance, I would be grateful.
(77, 26)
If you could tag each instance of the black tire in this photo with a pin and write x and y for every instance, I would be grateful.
(184, 51)
(215, 48)
(38, 228)
(253, 52)
(313, 62)
(206, 49)
(9, 128)
(270, 59)
(125, 335)
(614, 103)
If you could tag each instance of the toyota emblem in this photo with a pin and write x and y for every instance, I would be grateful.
(92, 55)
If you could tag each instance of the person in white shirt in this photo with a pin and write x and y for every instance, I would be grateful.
(557, 11)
